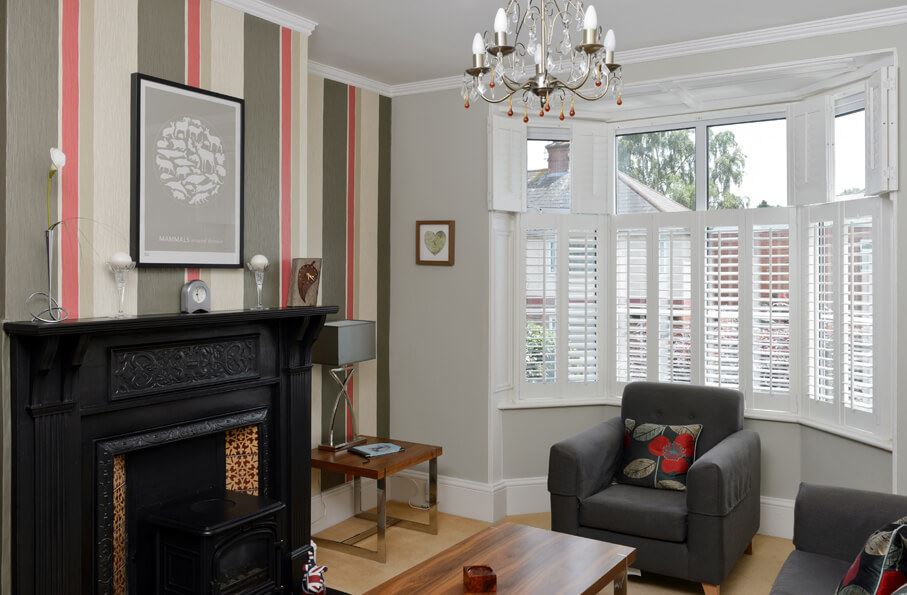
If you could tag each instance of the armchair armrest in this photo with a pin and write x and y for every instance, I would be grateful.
(724, 476)
(584, 464)
(837, 521)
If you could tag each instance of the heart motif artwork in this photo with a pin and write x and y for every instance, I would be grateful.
(435, 241)
(307, 273)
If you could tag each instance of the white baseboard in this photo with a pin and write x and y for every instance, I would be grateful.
(338, 504)
(492, 502)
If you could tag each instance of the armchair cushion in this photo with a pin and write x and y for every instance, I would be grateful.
(721, 478)
(584, 464)
(639, 511)
(804, 572)
(658, 456)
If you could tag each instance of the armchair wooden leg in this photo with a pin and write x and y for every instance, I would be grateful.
(711, 589)
(749, 549)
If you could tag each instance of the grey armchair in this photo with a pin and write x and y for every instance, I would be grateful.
(696, 535)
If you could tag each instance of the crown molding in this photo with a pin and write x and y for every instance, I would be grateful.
(350, 78)
(886, 17)
(268, 12)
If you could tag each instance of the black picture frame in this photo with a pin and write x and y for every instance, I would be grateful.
(136, 157)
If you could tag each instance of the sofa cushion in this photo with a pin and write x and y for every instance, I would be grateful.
(804, 572)
(879, 568)
(633, 510)
(657, 455)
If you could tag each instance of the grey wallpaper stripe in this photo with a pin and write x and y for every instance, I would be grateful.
(333, 264)
(384, 262)
(161, 53)
(262, 171)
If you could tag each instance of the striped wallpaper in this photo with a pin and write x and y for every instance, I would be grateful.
(317, 169)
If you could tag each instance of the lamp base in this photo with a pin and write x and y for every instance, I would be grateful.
(338, 447)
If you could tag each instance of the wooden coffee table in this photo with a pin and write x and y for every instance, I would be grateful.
(379, 468)
(525, 559)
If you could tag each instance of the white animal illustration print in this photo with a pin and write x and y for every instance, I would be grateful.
(190, 160)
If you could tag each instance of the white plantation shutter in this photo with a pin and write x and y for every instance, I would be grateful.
(507, 166)
(809, 137)
(541, 305)
(721, 293)
(675, 296)
(857, 314)
(881, 132)
(820, 311)
(771, 308)
(631, 305)
(589, 158)
(582, 306)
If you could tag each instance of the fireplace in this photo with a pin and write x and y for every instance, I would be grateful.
(162, 454)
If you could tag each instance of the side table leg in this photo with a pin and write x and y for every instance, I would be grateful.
(620, 582)
(382, 521)
(357, 495)
(433, 495)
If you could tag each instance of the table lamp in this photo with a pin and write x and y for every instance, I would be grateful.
(341, 345)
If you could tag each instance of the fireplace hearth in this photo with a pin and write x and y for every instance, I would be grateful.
(162, 453)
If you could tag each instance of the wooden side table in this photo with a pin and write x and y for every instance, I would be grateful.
(380, 468)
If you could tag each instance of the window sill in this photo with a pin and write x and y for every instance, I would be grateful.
(758, 414)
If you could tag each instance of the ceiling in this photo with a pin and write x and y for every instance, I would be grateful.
(403, 41)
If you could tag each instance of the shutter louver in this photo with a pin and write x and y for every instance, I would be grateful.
(675, 305)
(631, 305)
(722, 306)
(771, 309)
(857, 315)
(541, 306)
(820, 313)
(582, 306)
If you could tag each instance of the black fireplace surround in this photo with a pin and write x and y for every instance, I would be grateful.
(161, 392)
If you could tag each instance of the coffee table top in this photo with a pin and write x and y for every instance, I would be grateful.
(525, 560)
(377, 467)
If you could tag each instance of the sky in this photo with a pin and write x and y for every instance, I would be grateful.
(765, 147)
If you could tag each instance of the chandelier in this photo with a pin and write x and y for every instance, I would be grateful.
(532, 58)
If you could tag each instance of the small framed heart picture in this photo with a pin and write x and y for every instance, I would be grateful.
(435, 243)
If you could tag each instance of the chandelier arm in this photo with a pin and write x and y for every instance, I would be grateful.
(511, 84)
(522, 20)
(605, 89)
(492, 100)
(585, 78)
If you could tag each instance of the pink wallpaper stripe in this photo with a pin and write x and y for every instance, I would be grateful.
(69, 177)
(286, 161)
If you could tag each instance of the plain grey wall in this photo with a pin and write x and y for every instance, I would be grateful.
(439, 315)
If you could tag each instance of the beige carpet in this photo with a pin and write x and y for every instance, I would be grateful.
(752, 575)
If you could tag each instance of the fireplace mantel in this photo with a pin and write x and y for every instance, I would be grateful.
(83, 389)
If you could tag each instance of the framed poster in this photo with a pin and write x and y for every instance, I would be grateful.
(435, 242)
(187, 175)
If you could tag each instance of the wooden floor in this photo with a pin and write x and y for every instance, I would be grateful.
(752, 575)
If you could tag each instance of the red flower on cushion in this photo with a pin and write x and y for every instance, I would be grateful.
(674, 454)
(891, 580)
(627, 439)
(851, 572)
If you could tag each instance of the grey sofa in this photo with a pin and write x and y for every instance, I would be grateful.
(696, 535)
(830, 527)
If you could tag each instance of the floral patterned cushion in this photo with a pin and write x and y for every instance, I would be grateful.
(881, 566)
(658, 456)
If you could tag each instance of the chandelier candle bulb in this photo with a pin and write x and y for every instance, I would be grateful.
(478, 45)
(590, 21)
(610, 41)
(500, 21)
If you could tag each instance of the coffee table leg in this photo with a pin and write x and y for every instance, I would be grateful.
(620, 582)
(433, 496)
(382, 521)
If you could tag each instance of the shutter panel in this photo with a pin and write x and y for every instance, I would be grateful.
(631, 305)
(590, 163)
(857, 314)
(881, 131)
(721, 294)
(675, 298)
(582, 307)
(820, 311)
(507, 167)
(809, 127)
(541, 305)
(771, 308)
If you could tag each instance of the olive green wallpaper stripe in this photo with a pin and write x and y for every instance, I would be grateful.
(161, 53)
(384, 262)
(261, 83)
(333, 264)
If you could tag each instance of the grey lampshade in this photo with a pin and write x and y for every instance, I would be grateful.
(345, 342)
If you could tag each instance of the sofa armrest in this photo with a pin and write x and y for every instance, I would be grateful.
(584, 464)
(721, 478)
(836, 522)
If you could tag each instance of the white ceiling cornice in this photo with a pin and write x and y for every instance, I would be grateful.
(268, 12)
(855, 22)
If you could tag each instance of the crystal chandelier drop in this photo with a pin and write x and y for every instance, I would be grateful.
(532, 58)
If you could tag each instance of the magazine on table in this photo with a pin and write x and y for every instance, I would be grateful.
(376, 450)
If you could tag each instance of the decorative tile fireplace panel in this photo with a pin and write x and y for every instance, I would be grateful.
(114, 418)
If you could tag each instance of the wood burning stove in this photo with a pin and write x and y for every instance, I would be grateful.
(218, 544)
